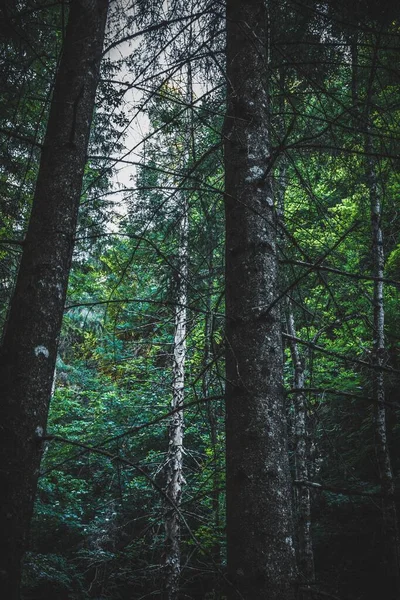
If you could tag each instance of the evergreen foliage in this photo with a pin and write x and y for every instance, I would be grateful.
(333, 85)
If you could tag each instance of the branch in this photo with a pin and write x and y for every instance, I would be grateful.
(343, 491)
(12, 242)
(318, 267)
(339, 356)
(151, 28)
(340, 393)
(116, 457)
(326, 147)
(294, 283)
(144, 301)
(312, 590)
(20, 137)
(137, 428)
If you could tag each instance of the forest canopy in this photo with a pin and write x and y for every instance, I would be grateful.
(199, 283)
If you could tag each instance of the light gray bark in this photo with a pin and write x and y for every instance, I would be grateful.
(29, 346)
(260, 550)
(174, 470)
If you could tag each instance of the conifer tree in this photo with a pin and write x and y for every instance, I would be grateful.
(29, 345)
(260, 549)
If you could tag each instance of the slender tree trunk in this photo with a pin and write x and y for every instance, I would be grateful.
(261, 559)
(304, 548)
(175, 479)
(392, 558)
(29, 346)
(392, 554)
(212, 414)
(174, 471)
(302, 493)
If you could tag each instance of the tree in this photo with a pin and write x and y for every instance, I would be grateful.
(389, 512)
(29, 347)
(174, 467)
(305, 554)
(101, 507)
(260, 550)
(25, 80)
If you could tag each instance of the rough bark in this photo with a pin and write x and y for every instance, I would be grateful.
(29, 347)
(392, 557)
(305, 555)
(260, 552)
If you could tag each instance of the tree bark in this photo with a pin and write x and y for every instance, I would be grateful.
(260, 551)
(305, 555)
(175, 479)
(29, 346)
(302, 496)
(174, 470)
(212, 413)
(392, 558)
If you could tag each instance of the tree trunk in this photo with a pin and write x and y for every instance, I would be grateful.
(174, 470)
(392, 558)
(260, 551)
(29, 347)
(305, 555)
(212, 414)
(304, 547)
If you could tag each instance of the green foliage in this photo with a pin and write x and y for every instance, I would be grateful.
(98, 527)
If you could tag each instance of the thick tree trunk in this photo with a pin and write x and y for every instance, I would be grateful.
(261, 559)
(305, 555)
(392, 557)
(29, 347)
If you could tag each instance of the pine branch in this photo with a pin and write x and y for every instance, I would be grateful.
(342, 491)
(359, 277)
(356, 361)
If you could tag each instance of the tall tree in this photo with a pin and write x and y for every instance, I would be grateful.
(260, 551)
(29, 347)
(305, 555)
(175, 477)
(389, 513)
(302, 497)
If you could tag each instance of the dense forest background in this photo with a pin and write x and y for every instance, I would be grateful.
(143, 332)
